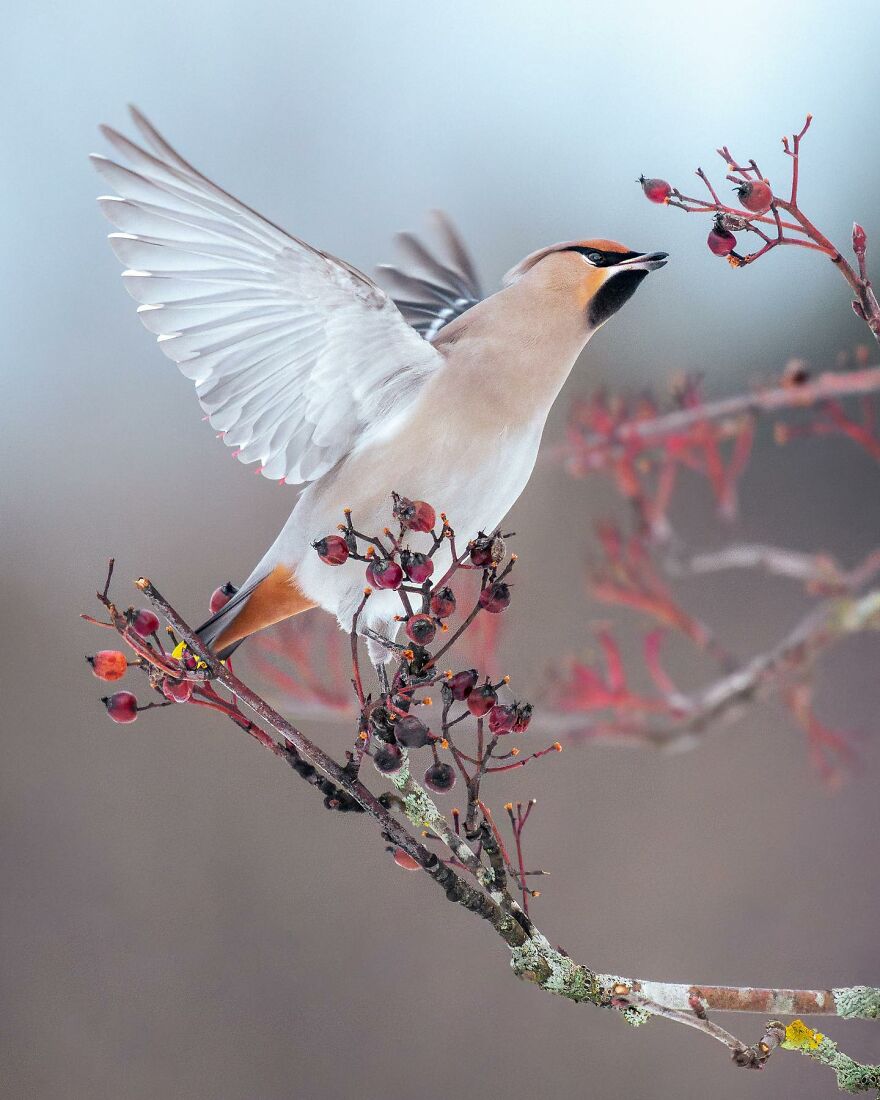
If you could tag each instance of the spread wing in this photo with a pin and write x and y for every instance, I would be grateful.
(296, 355)
(433, 287)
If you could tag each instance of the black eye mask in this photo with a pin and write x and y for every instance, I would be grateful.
(600, 258)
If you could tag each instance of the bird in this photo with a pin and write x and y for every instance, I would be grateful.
(309, 367)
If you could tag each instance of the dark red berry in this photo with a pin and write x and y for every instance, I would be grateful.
(755, 195)
(381, 724)
(388, 759)
(495, 597)
(178, 691)
(382, 573)
(405, 860)
(144, 622)
(122, 707)
(418, 567)
(440, 778)
(721, 241)
(412, 733)
(462, 684)
(443, 603)
(108, 664)
(501, 718)
(221, 596)
(417, 515)
(421, 629)
(332, 549)
(481, 700)
(655, 190)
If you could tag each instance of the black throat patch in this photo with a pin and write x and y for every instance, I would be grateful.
(612, 294)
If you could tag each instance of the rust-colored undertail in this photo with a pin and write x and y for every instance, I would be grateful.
(269, 601)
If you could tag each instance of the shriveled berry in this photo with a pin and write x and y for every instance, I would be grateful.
(332, 549)
(486, 550)
(481, 700)
(421, 629)
(462, 684)
(221, 596)
(381, 724)
(388, 759)
(411, 732)
(495, 597)
(405, 860)
(108, 664)
(417, 515)
(122, 707)
(523, 717)
(418, 567)
(755, 195)
(656, 190)
(443, 603)
(382, 573)
(440, 778)
(144, 622)
(178, 691)
(721, 241)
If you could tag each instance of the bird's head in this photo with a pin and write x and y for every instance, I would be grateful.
(595, 276)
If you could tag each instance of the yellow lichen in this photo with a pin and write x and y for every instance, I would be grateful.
(798, 1036)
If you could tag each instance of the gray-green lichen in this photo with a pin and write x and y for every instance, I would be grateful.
(852, 1076)
(536, 961)
(857, 1002)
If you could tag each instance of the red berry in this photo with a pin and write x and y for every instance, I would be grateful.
(412, 733)
(655, 190)
(417, 515)
(443, 603)
(221, 596)
(405, 860)
(382, 573)
(388, 759)
(755, 195)
(721, 241)
(122, 707)
(144, 622)
(501, 718)
(421, 629)
(462, 684)
(481, 700)
(108, 664)
(510, 718)
(178, 691)
(332, 549)
(418, 567)
(440, 778)
(495, 597)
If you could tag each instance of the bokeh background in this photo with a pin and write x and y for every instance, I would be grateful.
(180, 918)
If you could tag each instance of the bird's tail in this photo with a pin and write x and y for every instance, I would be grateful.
(260, 603)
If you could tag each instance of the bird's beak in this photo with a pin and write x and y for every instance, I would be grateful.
(650, 261)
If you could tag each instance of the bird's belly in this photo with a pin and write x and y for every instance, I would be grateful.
(474, 481)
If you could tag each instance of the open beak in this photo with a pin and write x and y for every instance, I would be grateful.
(650, 261)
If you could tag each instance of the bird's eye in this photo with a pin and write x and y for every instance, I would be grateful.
(595, 257)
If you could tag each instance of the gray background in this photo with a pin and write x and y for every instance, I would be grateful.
(180, 919)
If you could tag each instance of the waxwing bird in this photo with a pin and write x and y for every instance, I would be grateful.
(307, 366)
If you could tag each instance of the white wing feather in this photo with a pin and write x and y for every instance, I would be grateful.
(297, 357)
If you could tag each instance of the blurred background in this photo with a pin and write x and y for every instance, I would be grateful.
(180, 917)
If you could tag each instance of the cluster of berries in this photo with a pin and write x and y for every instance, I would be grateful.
(388, 727)
(111, 665)
(755, 196)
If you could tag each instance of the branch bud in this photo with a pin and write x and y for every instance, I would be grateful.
(859, 240)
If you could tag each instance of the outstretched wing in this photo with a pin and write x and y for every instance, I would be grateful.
(296, 355)
(433, 287)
